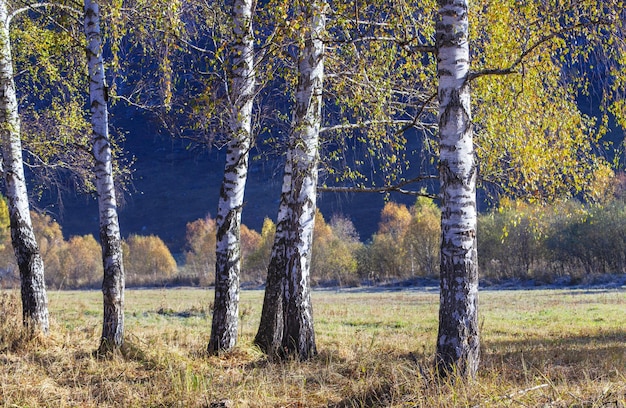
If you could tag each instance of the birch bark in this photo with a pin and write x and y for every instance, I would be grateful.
(296, 219)
(269, 337)
(458, 337)
(110, 237)
(29, 261)
(228, 251)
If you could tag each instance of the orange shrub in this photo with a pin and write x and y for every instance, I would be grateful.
(333, 260)
(200, 255)
(81, 264)
(256, 259)
(147, 261)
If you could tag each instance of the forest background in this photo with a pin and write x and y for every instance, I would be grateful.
(365, 238)
(566, 242)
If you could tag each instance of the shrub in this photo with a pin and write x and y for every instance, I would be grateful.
(544, 242)
(386, 256)
(594, 243)
(406, 243)
(256, 257)
(423, 237)
(80, 262)
(50, 239)
(510, 240)
(200, 254)
(147, 261)
(9, 275)
(255, 250)
(73, 264)
(333, 257)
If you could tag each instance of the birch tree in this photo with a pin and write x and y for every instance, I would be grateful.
(30, 263)
(458, 337)
(291, 254)
(110, 237)
(543, 50)
(228, 247)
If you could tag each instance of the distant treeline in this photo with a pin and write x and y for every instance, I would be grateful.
(516, 241)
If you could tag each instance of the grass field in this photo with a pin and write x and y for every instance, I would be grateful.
(552, 348)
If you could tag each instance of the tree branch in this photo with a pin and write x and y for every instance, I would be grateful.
(42, 5)
(414, 121)
(367, 123)
(130, 102)
(546, 38)
(403, 43)
(397, 188)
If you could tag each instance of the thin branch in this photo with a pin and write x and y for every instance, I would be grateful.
(366, 123)
(41, 5)
(136, 104)
(546, 38)
(414, 121)
(512, 395)
(194, 47)
(397, 188)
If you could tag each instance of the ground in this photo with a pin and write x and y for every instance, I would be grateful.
(548, 347)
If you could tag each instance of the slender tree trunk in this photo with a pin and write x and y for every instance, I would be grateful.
(294, 235)
(269, 337)
(228, 249)
(458, 338)
(29, 261)
(110, 238)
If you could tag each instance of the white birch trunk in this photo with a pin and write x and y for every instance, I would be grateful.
(110, 237)
(30, 263)
(296, 218)
(458, 338)
(228, 250)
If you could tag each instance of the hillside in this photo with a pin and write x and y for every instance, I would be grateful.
(174, 184)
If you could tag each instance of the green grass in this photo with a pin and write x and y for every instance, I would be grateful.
(539, 348)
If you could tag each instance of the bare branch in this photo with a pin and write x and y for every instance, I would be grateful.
(366, 123)
(34, 6)
(396, 188)
(136, 104)
(405, 43)
(414, 121)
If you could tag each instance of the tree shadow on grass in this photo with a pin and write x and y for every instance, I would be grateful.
(513, 366)
(571, 358)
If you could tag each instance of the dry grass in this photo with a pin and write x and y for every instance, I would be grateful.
(540, 348)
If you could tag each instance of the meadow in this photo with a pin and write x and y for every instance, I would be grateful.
(552, 348)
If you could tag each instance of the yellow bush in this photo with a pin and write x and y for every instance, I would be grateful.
(81, 263)
(334, 251)
(256, 259)
(147, 260)
(200, 256)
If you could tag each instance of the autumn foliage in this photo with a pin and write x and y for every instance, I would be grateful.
(200, 254)
(335, 245)
(406, 244)
(544, 243)
(77, 262)
(147, 261)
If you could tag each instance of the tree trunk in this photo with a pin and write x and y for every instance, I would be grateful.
(228, 248)
(294, 235)
(110, 238)
(269, 337)
(458, 339)
(29, 261)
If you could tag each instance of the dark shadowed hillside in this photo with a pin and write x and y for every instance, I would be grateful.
(174, 184)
